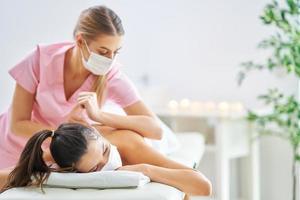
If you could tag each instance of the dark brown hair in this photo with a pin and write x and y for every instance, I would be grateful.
(93, 22)
(68, 144)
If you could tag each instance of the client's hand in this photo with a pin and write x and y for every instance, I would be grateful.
(137, 168)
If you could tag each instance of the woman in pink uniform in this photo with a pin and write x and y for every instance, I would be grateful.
(56, 83)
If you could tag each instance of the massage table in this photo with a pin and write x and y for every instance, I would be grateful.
(189, 153)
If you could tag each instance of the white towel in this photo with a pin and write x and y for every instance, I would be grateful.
(100, 179)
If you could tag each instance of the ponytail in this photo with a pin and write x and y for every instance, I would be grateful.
(69, 142)
(31, 168)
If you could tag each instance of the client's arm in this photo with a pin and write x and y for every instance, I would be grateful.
(189, 181)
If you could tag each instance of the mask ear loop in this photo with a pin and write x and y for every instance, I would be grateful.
(87, 49)
(87, 46)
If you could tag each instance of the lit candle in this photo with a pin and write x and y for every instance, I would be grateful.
(173, 106)
(223, 108)
(237, 108)
(185, 103)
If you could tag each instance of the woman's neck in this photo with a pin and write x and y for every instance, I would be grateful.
(73, 63)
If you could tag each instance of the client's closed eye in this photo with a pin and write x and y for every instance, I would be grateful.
(105, 150)
(94, 169)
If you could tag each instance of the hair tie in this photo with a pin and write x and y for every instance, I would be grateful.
(53, 132)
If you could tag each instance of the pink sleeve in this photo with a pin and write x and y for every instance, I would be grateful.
(26, 72)
(121, 90)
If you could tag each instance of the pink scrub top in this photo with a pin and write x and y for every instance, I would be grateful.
(41, 73)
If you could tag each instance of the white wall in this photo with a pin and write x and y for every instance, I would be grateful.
(192, 48)
(197, 44)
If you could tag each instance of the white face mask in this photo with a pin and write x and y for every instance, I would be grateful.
(114, 160)
(97, 64)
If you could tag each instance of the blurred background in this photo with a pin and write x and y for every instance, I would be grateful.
(177, 53)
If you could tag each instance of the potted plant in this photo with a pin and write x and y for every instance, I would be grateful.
(284, 118)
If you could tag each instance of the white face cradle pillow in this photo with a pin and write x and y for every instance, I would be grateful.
(99, 179)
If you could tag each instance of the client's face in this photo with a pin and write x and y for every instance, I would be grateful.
(96, 156)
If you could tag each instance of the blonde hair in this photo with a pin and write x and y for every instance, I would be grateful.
(95, 21)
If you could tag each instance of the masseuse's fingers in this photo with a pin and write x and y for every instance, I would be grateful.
(84, 102)
(90, 95)
(81, 94)
(88, 102)
(84, 93)
(91, 107)
(84, 98)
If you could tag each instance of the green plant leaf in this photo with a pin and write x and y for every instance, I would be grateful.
(297, 157)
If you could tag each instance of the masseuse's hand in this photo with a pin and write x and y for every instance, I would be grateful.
(77, 116)
(89, 101)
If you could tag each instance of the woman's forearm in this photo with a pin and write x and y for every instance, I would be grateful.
(143, 124)
(187, 180)
(27, 128)
(146, 126)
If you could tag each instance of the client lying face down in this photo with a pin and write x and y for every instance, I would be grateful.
(74, 148)
(77, 148)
